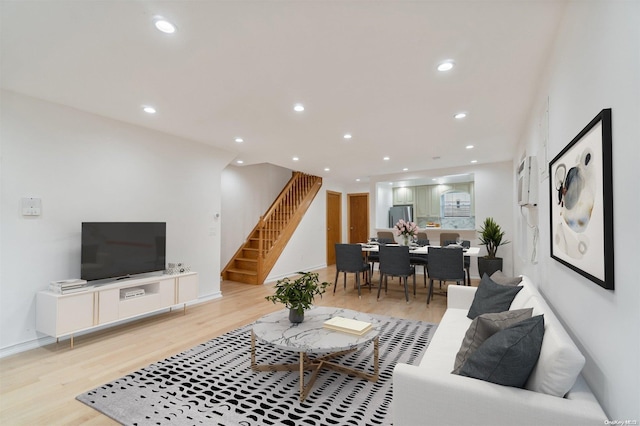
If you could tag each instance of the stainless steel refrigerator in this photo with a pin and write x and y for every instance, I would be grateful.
(400, 212)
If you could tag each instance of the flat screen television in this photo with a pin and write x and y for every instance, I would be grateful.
(121, 249)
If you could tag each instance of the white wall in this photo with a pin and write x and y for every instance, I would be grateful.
(89, 168)
(247, 193)
(595, 65)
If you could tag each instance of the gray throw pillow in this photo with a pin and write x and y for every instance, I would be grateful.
(500, 278)
(508, 357)
(485, 326)
(491, 297)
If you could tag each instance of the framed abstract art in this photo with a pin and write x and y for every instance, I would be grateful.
(581, 203)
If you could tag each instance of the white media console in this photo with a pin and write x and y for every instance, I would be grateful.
(65, 314)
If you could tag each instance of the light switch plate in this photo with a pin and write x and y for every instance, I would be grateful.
(31, 206)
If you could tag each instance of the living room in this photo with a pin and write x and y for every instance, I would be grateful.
(88, 167)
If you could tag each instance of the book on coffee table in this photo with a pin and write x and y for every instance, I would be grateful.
(348, 325)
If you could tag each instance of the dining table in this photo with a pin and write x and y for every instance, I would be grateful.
(374, 248)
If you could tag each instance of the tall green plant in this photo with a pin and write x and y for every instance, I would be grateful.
(491, 236)
(299, 293)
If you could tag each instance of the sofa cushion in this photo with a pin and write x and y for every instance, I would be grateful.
(499, 277)
(560, 360)
(445, 342)
(491, 297)
(508, 357)
(483, 327)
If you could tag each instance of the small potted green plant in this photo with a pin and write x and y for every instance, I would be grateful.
(491, 235)
(298, 294)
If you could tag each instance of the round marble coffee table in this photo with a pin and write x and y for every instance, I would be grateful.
(310, 337)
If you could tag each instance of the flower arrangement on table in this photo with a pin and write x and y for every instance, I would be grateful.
(408, 230)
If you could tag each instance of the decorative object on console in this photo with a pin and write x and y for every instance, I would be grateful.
(581, 203)
(298, 295)
(68, 286)
(491, 235)
(177, 268)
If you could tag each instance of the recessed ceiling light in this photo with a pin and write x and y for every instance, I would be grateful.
(460, 115)
(239, 140)
(326, 169)
(446, 65)
(295, 158)
(164, 25)
(405, 169)
(298, 107)
(386, 158)
(434, 179)
(149, 109)
(358, 180)
(474, 161)
(469, 146)
(347, 136)
(240, 162)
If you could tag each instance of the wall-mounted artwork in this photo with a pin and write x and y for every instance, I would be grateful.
(581, 204)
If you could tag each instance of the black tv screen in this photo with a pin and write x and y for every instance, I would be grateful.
(120, 249)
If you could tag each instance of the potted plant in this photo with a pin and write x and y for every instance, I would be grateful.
(491, 235)
(298, 294)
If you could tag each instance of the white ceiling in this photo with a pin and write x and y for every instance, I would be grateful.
(236, 68)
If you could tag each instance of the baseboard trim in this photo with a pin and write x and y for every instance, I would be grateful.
(47, 340)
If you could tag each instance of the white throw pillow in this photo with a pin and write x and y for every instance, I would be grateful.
(560, 361)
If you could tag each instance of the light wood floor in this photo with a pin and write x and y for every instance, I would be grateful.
(38, 387)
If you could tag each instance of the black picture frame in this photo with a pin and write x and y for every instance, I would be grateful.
(581, 203)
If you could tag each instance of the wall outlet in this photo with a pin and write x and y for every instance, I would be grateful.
(31, 206)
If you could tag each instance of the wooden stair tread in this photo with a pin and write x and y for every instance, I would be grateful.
(242, 271)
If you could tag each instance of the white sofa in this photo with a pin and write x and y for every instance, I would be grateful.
(428, 394)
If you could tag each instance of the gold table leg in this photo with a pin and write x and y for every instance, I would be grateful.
(316, 364)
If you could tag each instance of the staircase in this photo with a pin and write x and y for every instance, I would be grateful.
(254, 260)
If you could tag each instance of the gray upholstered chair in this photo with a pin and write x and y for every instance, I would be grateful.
(422, 236)
(420, 259)
(374, 257)
(448, 236)
(395, 262)
(349, 259)
(445, 264)
(386, 235)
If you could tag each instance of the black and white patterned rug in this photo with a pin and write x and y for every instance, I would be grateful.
(213, 384)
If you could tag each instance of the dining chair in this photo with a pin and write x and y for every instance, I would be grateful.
(420, 259)
(448, 236)
(386, 235)
(349, 259)
(445, 264)
(374, 257)
(422, 236)
(466, 244)
(395, 262)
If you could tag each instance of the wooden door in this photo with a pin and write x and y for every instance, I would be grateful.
(334, 224)
(358, 213)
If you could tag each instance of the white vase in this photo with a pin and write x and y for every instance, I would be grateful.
(405, 240)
